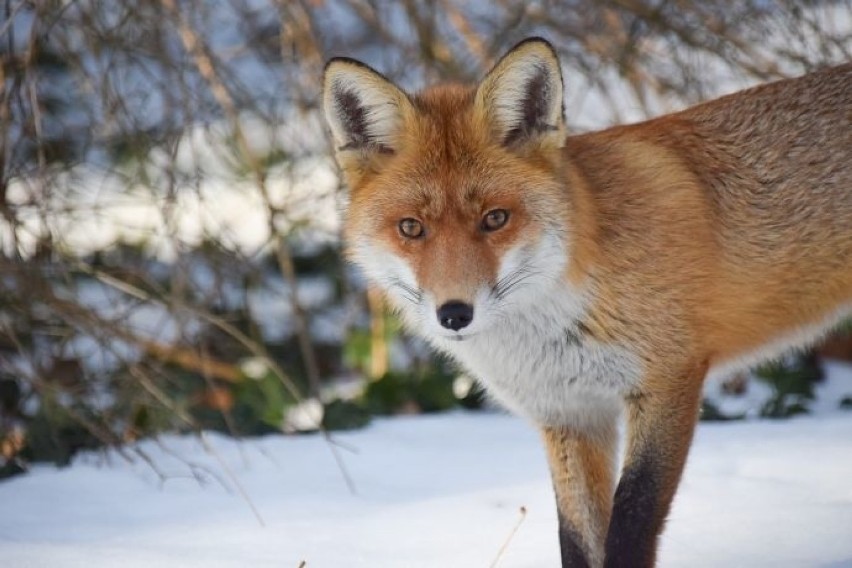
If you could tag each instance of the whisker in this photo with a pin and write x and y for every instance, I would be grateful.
(514, 281)
(507, 280)
(413, 295)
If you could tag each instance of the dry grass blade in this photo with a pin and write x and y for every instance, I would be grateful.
(511, 535)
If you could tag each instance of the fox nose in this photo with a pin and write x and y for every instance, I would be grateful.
(455, 315)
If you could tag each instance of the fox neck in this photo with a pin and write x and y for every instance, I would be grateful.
(542, 363)
(584, 227)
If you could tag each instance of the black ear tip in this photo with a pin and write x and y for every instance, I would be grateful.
(352, 63)
(536, 40)
(346, 61)
(332, 61)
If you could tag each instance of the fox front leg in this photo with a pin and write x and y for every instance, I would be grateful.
(582, 468)
(661, 420)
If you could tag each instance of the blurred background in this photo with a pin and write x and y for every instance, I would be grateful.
(169, 249)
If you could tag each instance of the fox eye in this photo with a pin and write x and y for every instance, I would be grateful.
(495, 219)
(411, 228)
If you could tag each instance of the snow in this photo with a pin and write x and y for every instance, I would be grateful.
(440, 490)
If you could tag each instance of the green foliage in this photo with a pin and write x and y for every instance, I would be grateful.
(792, 385)
(147, 418)
(324, 262)
(10, 395)
(403, 393)
(345, 415)
(356, 350)
(11, 468)
(845, 327)
(260, 405)
(474, 398)
(56, 432)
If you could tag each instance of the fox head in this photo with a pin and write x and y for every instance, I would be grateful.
(457, 207)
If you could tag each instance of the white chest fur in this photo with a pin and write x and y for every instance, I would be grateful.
(536, 362)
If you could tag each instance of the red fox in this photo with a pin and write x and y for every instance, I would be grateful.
(581, 278)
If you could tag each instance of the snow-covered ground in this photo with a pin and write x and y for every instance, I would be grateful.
(442, 490)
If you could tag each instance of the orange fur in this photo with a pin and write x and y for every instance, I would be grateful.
(689, 242)
(583, 480)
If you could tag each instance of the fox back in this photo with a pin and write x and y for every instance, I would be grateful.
(574, 275)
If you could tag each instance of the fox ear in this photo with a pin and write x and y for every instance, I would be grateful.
(364, 110)
(521, 97)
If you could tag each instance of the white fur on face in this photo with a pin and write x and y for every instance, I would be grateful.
(529, 351)
(527, 268)
(524, 343)
(395, 277)
(524, 271)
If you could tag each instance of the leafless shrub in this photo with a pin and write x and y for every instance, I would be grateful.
(163, 172)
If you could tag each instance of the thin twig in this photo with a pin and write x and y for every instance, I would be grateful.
(205, 65)
(521, 519)
(234, 479)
